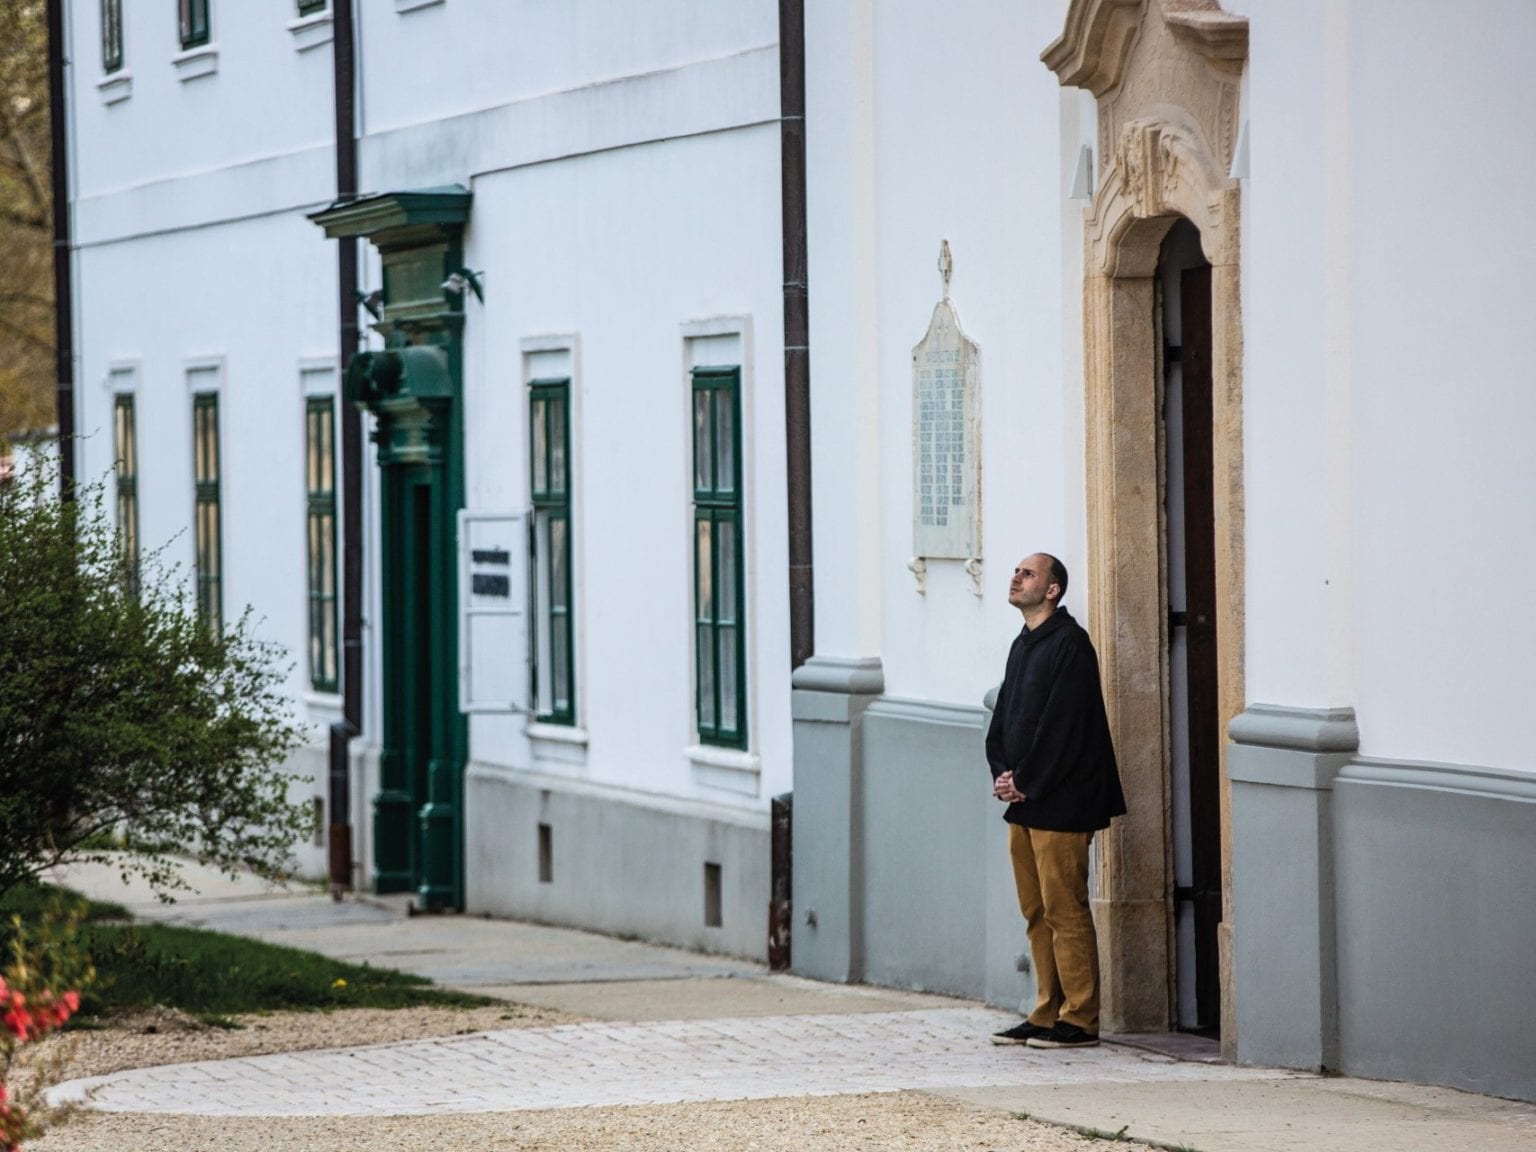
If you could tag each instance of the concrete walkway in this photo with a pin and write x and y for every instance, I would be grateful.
(673, 1026)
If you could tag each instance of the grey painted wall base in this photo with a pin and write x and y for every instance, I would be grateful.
(1437, 925)
(901, 862)
(1282, 763)
(1384, 911)
(596, 835)
(308, 769)
(926, 801)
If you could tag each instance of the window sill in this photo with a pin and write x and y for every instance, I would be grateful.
(324, 708)
(312, 31)
(726, 769)
(195, 62)
(403, 6)
(116, 88)
(557, 743)
(557, 733)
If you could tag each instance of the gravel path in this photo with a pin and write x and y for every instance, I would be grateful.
(905, 1120)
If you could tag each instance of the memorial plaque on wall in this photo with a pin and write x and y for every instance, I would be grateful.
(946, 441)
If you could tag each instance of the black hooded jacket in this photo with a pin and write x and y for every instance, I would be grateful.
(1049, 727)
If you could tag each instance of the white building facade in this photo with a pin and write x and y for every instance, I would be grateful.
(1249, 365)
(574, 510)
(1245, 313)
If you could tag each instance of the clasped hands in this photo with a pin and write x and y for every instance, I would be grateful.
(1003, 789)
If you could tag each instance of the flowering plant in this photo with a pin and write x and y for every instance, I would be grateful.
(31, 1007)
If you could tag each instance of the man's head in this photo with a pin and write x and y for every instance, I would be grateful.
(1038, 584)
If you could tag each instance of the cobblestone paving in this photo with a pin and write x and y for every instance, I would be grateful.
(604, 1064)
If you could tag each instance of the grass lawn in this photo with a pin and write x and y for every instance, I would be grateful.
(213, 975)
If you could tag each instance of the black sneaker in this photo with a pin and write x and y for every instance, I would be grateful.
(1019, 1033)
(1063, 1035)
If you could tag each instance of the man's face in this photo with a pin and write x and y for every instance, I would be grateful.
(1031, 580)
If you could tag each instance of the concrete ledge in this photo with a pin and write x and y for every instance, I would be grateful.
(1494, 783)
(1302, 729)
(929, 712)
(859, 676)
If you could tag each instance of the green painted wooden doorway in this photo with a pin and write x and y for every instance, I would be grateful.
(413, 387)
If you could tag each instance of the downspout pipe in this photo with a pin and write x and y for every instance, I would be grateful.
(63, 277)
(339, 807)
(797, 352)
(797, 433)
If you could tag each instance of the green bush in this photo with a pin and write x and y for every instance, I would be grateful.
(124, 715)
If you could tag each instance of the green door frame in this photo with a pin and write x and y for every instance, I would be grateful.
(414, 389)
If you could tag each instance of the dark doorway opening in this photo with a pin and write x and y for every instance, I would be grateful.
(1184, 281)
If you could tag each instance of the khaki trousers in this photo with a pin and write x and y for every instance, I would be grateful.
(1050, 871)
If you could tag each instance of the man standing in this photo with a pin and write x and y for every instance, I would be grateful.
(1053, 763)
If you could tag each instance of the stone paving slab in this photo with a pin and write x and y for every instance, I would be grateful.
(606, 1064)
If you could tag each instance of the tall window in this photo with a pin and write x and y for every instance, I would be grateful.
(207, 528)
(320, 487)
(125, 442)
(719, 628)
(111, 35)
(554, 663)
(194, 22)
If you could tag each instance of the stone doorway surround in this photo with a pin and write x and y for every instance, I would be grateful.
(1166, 75)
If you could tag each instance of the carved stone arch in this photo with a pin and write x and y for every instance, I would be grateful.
(1166, 74)
(1161, 167)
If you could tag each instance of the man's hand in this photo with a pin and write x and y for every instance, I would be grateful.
(1003, 789)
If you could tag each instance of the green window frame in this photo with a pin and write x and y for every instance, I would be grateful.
(125, 444)
(553, 639)
(207, 520)
(111, 36)
(194, 22)
(719, 578)
(310, 7)
(320, 536)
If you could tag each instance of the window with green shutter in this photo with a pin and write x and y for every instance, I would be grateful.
(125, 444)
(207, 526)
(554, 647)
(320, 496)
(718, 550)
(194, 22)
(111, 35)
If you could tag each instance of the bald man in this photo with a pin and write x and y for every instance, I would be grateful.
(1053, 764)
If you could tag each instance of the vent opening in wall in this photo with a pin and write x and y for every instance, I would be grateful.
(546, 854)
(712, 917)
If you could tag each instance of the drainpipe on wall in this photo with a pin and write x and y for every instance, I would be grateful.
(339, 839)
(797, 428)
(63, 280)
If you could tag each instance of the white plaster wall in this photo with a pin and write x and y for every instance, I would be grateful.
(464, 55)
(844, 311)
(251, 299)
(1298, 360)
(965, 130)
(1387, 377)
(622, 249)
(268, 96)
(1445, 154)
